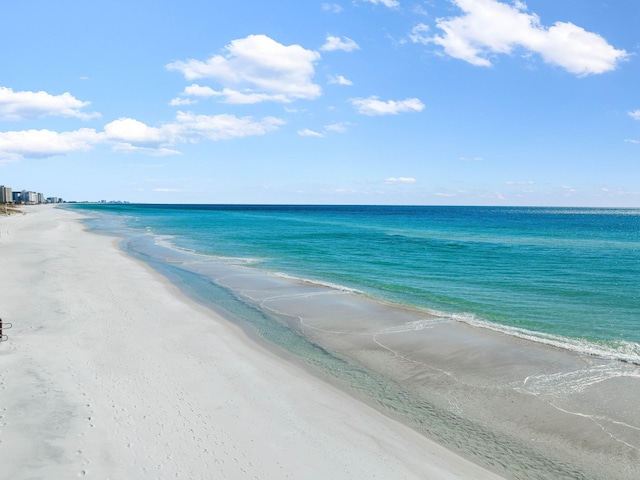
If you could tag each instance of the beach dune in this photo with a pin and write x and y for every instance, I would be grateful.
(111, 372)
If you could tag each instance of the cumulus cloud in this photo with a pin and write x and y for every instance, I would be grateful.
(635, 114)
(337, 127)
(489, 27)
(386, 3)
(229, 96)
(133, 135)
(331, 128)
(419, 34)
(45, 143)
(179, 102)
(193, 90)
(26, 104)
(129, 135)
(310, 133)
(336, 43)
(192, 127)
(339, 80)
(332, 7)
(400, 180)
(256, 69)
(200, 91)
(129, 130)
(374, 106)
(232, 96)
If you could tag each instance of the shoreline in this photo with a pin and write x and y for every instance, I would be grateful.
(110, 371)
(530, 408)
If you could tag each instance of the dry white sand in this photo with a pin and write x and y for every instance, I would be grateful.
(110, 372)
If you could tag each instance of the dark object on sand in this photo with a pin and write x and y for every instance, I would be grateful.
(4, 338)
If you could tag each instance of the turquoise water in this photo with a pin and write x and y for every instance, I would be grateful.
(565, 277)
(558, 275)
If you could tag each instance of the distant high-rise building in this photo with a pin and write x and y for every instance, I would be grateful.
(28, 198)
(6, 195)
(25, 197)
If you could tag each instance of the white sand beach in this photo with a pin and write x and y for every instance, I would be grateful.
(110, 372)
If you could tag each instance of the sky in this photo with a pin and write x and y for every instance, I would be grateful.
(414, 102)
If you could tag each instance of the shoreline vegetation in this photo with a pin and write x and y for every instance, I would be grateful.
(6, 209)
(111, 371)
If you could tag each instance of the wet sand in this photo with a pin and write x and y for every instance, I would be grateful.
(526, 409)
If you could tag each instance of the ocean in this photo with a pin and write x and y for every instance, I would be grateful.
(569, 276)
(564, 278)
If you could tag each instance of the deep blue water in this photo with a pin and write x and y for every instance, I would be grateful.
(561, 275)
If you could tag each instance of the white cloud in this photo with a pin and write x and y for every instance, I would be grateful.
(635, 114)
(490, 27)
(400, 180)
(339, 80)
(418, 34)
(233, 96)
(128, 130)
(26, 104)
(189, 128)
(128, 135)
(374, 106)
(257, 68)
(337, 127)
(309, 133)
(471, 159)
(631, 140)
(332, 7)
(193, 90)
(386, 3)
(45, 143)
(179, 102)
(331, 128)
(336, 43)
(192, 127)
(199, 91)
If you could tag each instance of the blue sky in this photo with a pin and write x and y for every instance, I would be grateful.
(455, 102)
